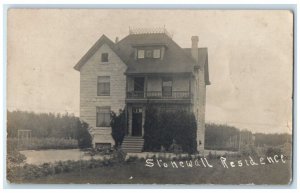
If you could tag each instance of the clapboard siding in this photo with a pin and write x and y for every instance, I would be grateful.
(89, 100)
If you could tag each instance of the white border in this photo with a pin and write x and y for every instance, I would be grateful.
(260, 4)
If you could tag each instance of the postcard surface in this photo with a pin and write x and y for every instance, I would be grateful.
(146, 96)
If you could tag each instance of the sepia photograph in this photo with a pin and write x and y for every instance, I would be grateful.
(149, 96)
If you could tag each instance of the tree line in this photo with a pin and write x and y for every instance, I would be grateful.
(217, 136)
(45, 125)
(48, 125)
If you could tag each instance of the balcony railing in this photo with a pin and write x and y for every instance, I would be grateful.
(158, 95)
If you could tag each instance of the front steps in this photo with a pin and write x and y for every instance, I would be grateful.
(132, 144)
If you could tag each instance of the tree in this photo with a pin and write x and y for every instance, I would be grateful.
(118, 126)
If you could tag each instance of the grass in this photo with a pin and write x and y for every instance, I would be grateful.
(137, 173)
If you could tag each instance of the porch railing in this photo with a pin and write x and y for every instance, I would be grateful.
(159, 95)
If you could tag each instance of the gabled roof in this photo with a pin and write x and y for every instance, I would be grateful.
(102, 40)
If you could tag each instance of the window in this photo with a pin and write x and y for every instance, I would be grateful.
(167, 87)
(141, 54)
(156, 53)
(139, 84)
(104, 57)
(149, 53)
(103, 117)
(103, 88)
(103, 146)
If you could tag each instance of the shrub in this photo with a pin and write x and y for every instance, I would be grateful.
(271, 151)
(118, 126)
(83, 135)
(163, 128)
(248, 150)
(186, 131)
(29, 171)
(152, 130)
(132, 159)
(119, 156)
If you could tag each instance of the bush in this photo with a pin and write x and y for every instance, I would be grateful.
(119, 156)
(248, 150)
(30, 171)
(163, 128)
(271, 151)
(15, 157)
(152, 130)
(83, 135)
(118, 126)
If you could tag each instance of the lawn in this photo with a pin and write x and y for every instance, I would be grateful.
(137, 173)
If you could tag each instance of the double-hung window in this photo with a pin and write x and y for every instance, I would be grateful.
(103, 117)
(103, 87)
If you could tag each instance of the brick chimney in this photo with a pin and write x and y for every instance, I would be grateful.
(195, 40)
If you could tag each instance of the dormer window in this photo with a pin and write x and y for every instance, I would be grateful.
(149, 53)
(104, 57)
(141, 54)
(156, 53)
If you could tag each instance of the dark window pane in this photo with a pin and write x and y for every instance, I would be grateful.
(149, 53)
(104, 57)
(139, 84)
(167, 87)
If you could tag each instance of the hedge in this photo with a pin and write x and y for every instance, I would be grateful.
(162, 128)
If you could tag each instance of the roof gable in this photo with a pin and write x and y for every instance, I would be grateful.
(102, 40)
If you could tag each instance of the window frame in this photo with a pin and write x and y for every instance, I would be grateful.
(142, 51)
(98, 112)
(104, 84)
(167, 79)
(149, 51)
(155, 49)
(102, 57)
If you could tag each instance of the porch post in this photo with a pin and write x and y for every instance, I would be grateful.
(129, 120)
(190, 85)
(145, 87)
(143, 119)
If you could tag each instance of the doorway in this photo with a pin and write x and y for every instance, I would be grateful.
(137, 121)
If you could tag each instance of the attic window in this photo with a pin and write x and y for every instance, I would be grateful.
(104, 57)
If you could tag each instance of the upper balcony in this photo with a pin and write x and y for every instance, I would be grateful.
(158, 95)
(159, 89)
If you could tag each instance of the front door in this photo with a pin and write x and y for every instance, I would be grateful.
(137, 116)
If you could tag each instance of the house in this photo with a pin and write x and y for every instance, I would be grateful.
(144, 67)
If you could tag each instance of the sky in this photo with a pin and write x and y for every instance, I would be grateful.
(250, 56)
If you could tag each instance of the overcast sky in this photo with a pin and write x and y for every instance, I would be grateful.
(250, 59)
